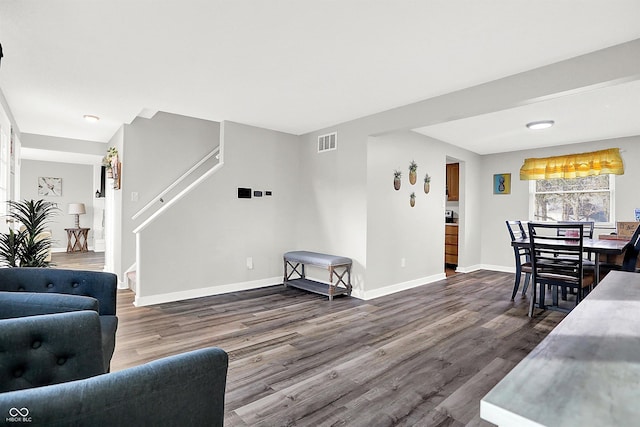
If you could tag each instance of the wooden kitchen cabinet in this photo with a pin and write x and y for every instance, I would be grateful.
(451, 244)
(453, 182)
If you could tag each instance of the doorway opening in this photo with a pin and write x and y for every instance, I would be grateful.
(452, 216)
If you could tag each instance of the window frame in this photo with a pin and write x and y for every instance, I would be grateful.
(612, 202)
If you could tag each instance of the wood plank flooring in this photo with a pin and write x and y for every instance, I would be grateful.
(422, 357)
(78, 260)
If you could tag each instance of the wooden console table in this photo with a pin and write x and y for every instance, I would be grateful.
(77, 239)
(338, 266)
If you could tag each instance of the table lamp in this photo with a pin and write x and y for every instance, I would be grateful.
(77, 209)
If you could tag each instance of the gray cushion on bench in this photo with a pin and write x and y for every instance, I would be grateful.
(315, 258)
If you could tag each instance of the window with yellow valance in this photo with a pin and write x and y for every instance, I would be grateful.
(573, 165)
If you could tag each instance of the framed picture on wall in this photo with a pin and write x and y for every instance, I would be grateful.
(502, 183)
(48, 186)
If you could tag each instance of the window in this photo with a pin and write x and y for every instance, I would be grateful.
(573, 199)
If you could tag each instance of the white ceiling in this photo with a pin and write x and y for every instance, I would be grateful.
(298, 66)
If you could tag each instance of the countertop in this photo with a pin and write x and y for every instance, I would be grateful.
(585, 372)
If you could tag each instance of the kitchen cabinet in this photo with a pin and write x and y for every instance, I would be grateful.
(453, 182)
(451, 244)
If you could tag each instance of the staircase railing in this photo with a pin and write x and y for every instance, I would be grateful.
(161, 197)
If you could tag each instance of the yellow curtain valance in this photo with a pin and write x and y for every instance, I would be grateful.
(573, 165)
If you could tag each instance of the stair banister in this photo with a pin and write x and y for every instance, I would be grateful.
(216, 151)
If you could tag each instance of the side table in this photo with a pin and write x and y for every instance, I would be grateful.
(77, 239)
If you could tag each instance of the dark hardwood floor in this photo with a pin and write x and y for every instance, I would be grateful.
(422, 357)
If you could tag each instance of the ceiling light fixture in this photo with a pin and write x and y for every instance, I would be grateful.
(90, 118)
(542, 124)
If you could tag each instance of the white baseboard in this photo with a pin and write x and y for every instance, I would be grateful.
(391, 289)
(141, 301)
(500, 268)
(470, 269)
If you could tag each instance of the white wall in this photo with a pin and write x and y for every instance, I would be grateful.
(113, 216)
(496, 252)
(77, 187)
(201, 245)
(333, 213)
(395, 230)
(155, 153)
(54, 143)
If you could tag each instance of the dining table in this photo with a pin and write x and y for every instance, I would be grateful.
(594, 246)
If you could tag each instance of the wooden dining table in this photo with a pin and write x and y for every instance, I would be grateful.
(594, 246)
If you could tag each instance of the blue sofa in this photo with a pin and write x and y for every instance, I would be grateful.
(96, 285)
(49, 349)
(58, 349)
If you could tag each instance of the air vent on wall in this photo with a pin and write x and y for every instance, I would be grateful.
(328, 142)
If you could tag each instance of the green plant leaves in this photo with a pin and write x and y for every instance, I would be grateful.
(28, 247)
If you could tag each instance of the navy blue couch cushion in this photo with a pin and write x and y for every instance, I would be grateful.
(49, 349)
(183, 390)
(21, 304)
(96, 284)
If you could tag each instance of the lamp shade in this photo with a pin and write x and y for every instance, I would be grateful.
(77, 209)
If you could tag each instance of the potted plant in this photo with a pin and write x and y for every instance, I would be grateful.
(412, 199)
(413, 167)
(427, 185)
(110, 160)
(397, 175)
(30, 245)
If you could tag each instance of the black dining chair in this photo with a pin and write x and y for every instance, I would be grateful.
(557, 262)
(630, 258)
(587, 230)
(523, 263)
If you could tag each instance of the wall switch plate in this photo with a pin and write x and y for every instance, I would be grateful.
(250, 263)
(134, 196)
(403, 262)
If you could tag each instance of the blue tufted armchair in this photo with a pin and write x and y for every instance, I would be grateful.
(51, 375)
(61, 290)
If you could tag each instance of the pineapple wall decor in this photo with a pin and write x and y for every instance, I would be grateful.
(412, 199)
(413, 168)
(397, 175)
(427, 185)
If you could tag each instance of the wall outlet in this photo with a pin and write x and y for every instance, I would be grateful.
(403, 262)
(250, 263)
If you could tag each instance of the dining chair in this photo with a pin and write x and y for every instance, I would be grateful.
(523, 263)
(557, 262)
(587, 230)
(630, 257)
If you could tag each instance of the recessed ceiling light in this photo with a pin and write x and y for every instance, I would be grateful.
(90, 118)
(542, 124)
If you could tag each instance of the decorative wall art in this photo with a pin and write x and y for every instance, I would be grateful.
(397, 177)
(113, 166)
(412, 199)
(48, 186)
(413, 168)
(502, 183)
(427, 185)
